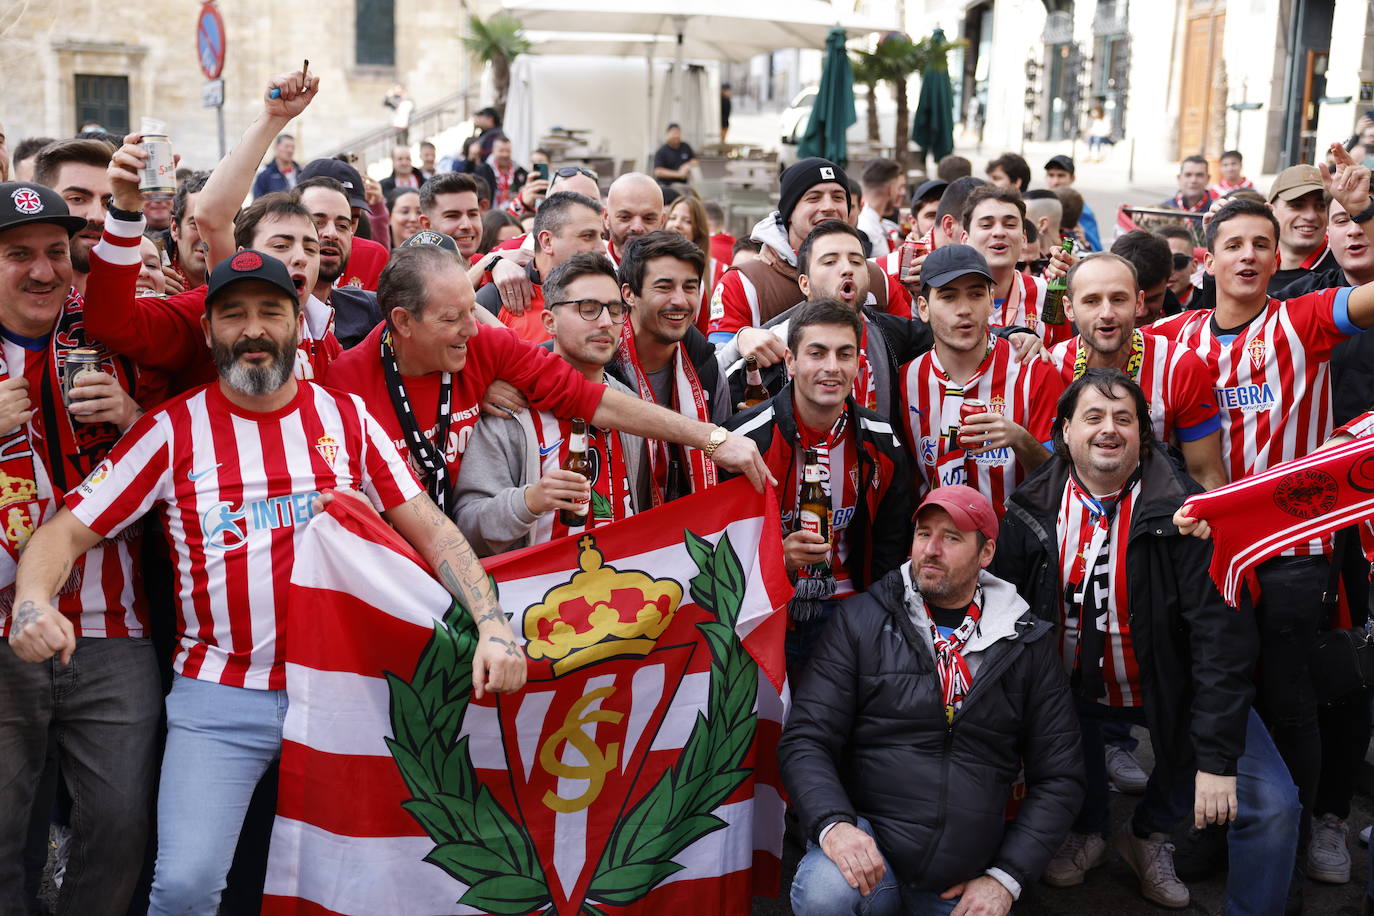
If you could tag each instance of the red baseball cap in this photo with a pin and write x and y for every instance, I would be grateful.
(970, 509)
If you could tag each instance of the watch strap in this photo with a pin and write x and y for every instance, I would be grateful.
(1364, 215)
(717, 437)
(126, 216)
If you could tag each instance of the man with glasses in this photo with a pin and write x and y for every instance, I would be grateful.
(512, 484)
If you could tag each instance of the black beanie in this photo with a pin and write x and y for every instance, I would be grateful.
(800, 177)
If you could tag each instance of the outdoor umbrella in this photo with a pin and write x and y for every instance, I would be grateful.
(833, 111)
(933, 129)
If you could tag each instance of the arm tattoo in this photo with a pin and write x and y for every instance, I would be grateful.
(511, 649)
(26, 614)
(494, 614)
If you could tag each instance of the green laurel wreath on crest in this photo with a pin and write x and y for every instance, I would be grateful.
(481, 845)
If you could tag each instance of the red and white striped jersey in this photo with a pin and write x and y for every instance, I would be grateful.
(1360, 426)
(1025, 392)
(1120, 669)
(1177, 386)
(1271, 378)
(104, 595)
(235, 488)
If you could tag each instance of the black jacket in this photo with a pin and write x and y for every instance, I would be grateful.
(1195, 654)
(356, 313)
(867, 736)
(702, 355)
(1352, 360)
(902, 339)
(878, 537)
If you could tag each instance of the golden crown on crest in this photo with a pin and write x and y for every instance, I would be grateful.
(599, 613)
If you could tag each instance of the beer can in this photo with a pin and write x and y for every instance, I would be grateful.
(78, 362)
(970, 407)
(157, 180)
(912, 249)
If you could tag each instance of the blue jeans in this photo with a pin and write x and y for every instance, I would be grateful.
(101, 714)
(220, 740)
(818, 889)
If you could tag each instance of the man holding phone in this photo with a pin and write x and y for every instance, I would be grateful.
(532, 192)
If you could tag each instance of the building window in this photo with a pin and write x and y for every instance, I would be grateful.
(375, 45)
(103, 100)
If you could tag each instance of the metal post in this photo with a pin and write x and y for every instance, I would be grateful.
(219, 117)
(1130, 172)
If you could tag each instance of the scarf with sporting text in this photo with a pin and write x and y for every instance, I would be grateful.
(689, 399)
(610, 479)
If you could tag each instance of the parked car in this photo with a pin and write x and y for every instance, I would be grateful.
(797, 115)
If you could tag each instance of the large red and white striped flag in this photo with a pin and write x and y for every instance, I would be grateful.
(636, 771)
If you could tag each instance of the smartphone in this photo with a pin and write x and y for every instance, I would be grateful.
(542, 170)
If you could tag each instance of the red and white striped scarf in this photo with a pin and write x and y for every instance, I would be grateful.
(689, 399)
(955, 677)
(610, 479)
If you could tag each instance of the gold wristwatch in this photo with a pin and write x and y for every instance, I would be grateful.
(715, 440)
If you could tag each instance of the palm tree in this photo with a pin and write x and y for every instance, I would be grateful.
(898, 57)
(498, 41)
(868, 72)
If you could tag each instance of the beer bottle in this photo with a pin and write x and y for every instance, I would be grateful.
(1052, 312)
(578, 463)
(813, 509)
(754, 392)
(676, 486)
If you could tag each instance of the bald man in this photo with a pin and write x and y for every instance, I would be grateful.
(634, 207)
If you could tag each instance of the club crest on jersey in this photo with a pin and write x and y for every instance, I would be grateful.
(998, 404)
(328, 447)
(1257, 351)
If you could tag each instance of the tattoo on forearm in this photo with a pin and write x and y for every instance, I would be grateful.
(494, 614)
(511, 648)
(26, 614)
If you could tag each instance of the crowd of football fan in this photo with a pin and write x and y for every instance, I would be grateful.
(982, 428)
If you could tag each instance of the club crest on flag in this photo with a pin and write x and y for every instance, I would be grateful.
(610, 650)
(328, 447)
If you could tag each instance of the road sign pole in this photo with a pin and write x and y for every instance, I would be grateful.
(219, 117)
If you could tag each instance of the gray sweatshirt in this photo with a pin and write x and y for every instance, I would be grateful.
(501, 460)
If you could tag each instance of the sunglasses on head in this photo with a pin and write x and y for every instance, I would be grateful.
(571, 170)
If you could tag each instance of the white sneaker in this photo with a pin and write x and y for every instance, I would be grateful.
(1124, 772)
(1152, 860)
(1070, 865)
(1328, 858)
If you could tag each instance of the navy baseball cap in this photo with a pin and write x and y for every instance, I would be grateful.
(341, 172)
(1061, 163)
(950, 262)
(249, 265)
(929, 190)
(23, 203)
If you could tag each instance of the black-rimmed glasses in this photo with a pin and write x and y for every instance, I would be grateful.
(590, 309)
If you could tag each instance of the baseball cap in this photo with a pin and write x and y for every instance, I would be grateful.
(1060, 163)
(970, 509)
(929, 190)
(341, 172)
(23, 203)
(950, 262)
(248, 265)
(433, 238)
(1295, 181)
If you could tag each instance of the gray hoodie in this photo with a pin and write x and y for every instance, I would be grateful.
(1002, 607)
(501, 459)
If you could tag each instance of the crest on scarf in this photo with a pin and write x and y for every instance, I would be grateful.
(1306, 494)
(16, 490)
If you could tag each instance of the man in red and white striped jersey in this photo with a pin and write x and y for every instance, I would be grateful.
(105, 711)
(993, 221)
(992, 451)
(1101, 301)
(1270, 361)
(238, 469)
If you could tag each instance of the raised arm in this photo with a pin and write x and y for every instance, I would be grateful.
(1349, 186)
(39, 630)
(499, 663)
(232, 179)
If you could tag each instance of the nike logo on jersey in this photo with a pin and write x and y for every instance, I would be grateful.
(193, 476)
(543, 451)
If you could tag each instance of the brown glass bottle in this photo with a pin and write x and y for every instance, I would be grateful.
(578, 463)
(813, 508)
(677, 485)
(754, 391)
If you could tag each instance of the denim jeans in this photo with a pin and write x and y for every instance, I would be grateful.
(103, 710)
(1264, 836)
(1159, 811)
(818, 889)
(220, 740)
(1289, 615)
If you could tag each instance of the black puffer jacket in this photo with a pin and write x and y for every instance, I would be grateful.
(867, 737)
(1195, 654)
